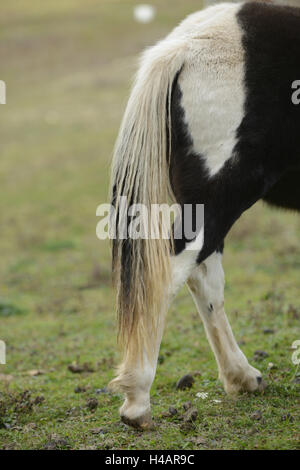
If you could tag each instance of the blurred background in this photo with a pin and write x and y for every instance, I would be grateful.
(68, 67)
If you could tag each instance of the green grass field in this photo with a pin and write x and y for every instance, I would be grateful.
(68, 65)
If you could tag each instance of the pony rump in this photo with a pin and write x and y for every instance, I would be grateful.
(141, 268)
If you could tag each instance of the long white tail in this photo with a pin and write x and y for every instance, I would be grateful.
(141, 173)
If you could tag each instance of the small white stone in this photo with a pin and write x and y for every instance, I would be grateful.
(144, 13)
(202, 395)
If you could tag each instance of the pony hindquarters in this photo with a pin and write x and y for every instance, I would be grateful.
(199, 86)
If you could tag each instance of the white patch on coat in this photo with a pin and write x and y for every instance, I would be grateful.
(212, 83)
(183, 264)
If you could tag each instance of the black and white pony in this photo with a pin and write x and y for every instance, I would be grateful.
(210, 120)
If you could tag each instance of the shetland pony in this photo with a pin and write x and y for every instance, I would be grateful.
(210, 120)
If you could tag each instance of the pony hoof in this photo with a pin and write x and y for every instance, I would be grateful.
(142, 423)
(247, 380)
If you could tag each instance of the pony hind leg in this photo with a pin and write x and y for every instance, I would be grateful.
(135, 377)
(206, 285)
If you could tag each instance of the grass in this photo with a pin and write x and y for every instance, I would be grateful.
(68, 68)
